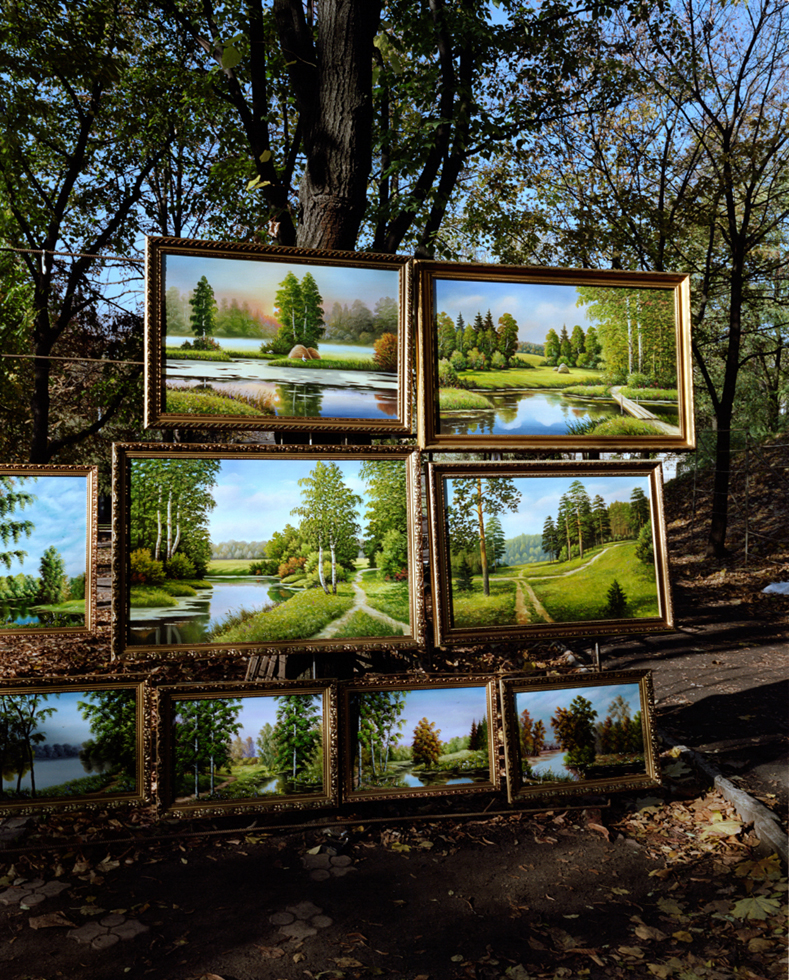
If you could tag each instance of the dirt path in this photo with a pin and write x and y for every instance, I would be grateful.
(538, 606)
(359, 603)
(580, 567)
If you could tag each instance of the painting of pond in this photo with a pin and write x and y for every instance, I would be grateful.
(70, 743)
(562, 735)
(47, 534)
(590, 359)
(254, 339)
(257, 748)
(266, 547)
(406, 739)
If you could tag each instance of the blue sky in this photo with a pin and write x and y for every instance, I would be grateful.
(67, 724)
(258, 710)
(540, 497)
(543, 704)
(536, 307)
(256, 496)
(452, 709)
(256, 282)
(60, 515)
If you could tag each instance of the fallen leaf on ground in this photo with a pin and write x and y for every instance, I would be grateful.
(271, 952)
(649, 932)
(50, 921)
(632, 951)
(348, 963)
(755, 907)
(722, 828)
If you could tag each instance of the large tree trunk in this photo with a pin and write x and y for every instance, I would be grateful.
(336, 114)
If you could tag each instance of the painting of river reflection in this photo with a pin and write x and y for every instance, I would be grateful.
(262, 337)
(268, 548)
(566, 736)
(408, 740)
(235, 746)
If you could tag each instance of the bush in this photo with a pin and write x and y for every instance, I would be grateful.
(257, 568)
(385, 355)
(644, 548)
(458, 361)
(205, 343)
(180, 566)
(447, 375)
(498, 361)
(639, 380)
(477, 360)
(144, 570)
(290, 566)
(312, 579)
(77, 587)
(392, 559)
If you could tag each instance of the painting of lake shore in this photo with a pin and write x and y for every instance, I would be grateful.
(48, 532)
(233, 745)
(267, 548)
(249, 336)
(535, 549)
(406, 739)
(515, 357)
(567, 735)
(70, 743)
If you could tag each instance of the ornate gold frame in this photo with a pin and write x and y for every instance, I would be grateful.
(86, 685)
(427, 272)
(167, 697)
(437, 682)
(92, 496)
(599, 781)
(157, 248)
(447, 633)
(123, 454)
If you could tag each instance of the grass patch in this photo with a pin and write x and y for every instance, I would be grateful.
(456, 400)
(141, 596)
(362, 624)
(177, 588)
(254, 355)
(230, 566)
(651, 394)
(582, 596)
(177, 354)
(73, 606)
(589, 391)
(230, 620)
(625, 425)
(296, 619)
(473, 609)
(537, 378)
(193, 401)
(390, 598)
(328, 364)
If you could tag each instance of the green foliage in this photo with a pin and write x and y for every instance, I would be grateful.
(645, 551)
(426, 745)
(179, 566)
(54, 584)
(19, 587)
(204, 730)
(76, 587)
(463, 579)
(616, 602)
(574, 731)
(385, 356)
(297, 731)
(650, 394)
(392, 559)
(267, 746)
(387, 502)
(12, 530)
(143, 569)
(194, 353)
(203, 317)
(113, 724)
(298, 308)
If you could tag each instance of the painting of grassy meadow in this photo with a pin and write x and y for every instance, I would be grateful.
(407, 739)
(531, 552)
(268, 549)
(554, 359)
(44, 547)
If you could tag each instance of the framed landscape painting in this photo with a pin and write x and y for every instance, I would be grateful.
(47, 549)
(279, 548)
(71, 745)
(232, 747)
(579, 735)
(519, 358)
(267, 337)
(409, 738)
(547, 548)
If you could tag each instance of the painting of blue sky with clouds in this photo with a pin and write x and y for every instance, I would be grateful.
(263, 338)
(267, 550)
(425, 738)
(571, 734)
(43, 551)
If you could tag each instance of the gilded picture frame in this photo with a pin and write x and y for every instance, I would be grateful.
(571, 548)
(557, 741)
(74, 744)
(378, 712)
(504, 364)
(342, 361)
(49, 549)
(221, 747)
(175, 505)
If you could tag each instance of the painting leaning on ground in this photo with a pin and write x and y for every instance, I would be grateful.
(533, 552)
(551, 359)
(71, 744)
(267, 548)
(249, 337)
(44, 547)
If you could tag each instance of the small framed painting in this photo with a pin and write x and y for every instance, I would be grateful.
(72, 745)
(411, 738)
(243, 336)
(579, 734)
(547, 548)
(233, 747)
(526, 358)
(267, 549)
(48, 529)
